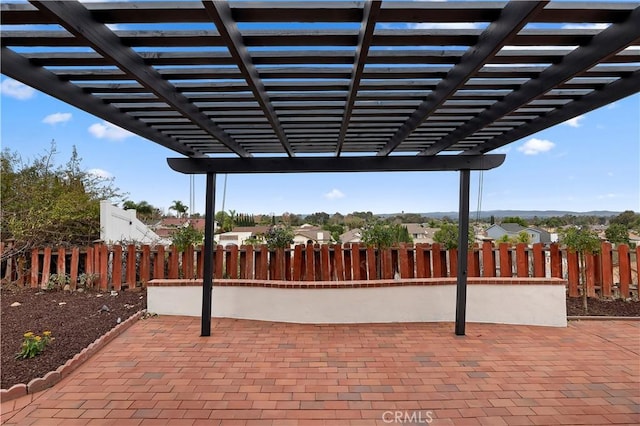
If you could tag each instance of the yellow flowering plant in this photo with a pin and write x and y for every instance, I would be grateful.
(33, 344)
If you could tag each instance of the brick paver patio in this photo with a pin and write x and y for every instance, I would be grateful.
(258, 373)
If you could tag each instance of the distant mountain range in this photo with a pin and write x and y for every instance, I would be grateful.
(525, 214)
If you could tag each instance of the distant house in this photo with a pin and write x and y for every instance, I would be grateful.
(168, 225)
(420, 233)
(495, 232)
(240, 234)
(351, 236)
(309, 234)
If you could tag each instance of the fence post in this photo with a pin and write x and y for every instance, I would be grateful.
(116, 271)
(625, 270)
(46, 267)
(35, 268)
(131, 266)
(145, 264)
(453, 262)
(199, 253)
(506, 260)
(606, 266)
(325, 270)
(438, 270)
(403, 261)
(73, 273)
(338, 262)
(355, 261)
(158, 263)
(232, 262)
(187, 262)
(473, 262)
(174, 263)
(88, 261)
(488, 260)
(61, 262)
(522, 260)
(590, 273)
(309, 264)
(104, 267)
(218, 261)
(538, 261)
(556, 261)
(573, 273)
(372, 263)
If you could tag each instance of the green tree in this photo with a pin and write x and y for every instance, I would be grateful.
(581, 240)
(617, 233)
(447, 235)
(279, 237)
(179, 207)
(515, 219)
(336, 230)
(628, 218)
(523, 237)
(319, 218)
(185, 236)
(144, 210)
(45, 204)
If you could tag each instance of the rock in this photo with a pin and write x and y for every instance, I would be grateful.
(119, 320)
(80, 290)
(62, 303)
(98, 295)
(66, 287)
(14, 304)
(105, 308)
(114, 293)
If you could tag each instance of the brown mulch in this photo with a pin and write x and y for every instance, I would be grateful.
(75, 319)
(80, 320)
(598, 307)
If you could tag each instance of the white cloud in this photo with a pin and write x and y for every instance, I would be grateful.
(58, 117)
(100, 173)
(608, 196)
(585, 26)
(334, 194)
(575, 121)
(17, 90)
(106, 130)
(535, 146)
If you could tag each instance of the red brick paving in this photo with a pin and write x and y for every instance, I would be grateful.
(160, 372)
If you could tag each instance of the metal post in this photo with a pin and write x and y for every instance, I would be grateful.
(463, 243)
(207, 276)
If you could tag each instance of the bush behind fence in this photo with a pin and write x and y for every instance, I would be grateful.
(612, 272)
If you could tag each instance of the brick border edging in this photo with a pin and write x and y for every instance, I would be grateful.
(53, 377)
(600, 318)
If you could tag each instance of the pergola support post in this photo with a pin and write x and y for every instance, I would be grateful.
(207, 276)
(463, 245)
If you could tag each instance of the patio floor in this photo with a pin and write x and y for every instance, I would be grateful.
(259, 373)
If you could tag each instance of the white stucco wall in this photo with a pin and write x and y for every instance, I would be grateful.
(505, 304)
(122, 225)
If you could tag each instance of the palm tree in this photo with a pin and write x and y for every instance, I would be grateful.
(179, 207)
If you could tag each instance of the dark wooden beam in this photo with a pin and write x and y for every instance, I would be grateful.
(220, 14)
(19, 68)
(76, 19)
(603, 45)
(512, 19)
(335, 164)
(615, 91)
(365, 36)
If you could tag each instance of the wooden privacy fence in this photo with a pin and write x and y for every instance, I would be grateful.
(612, 272)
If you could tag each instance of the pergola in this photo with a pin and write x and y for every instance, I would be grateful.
(334, 86)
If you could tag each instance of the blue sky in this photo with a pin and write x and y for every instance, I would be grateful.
(589, 163)
(592, 163)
